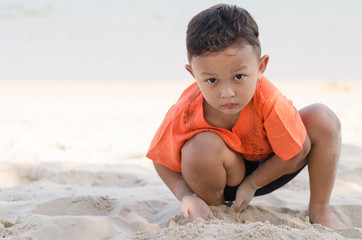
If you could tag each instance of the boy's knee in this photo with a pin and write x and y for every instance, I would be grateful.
(319, 117)
(202, 149)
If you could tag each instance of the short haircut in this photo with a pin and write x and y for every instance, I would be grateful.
(220, 27)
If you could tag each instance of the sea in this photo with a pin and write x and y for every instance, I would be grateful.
(145, 40)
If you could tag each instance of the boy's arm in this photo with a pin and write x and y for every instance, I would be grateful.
(191, 205)
(272, 169)
(174, 181)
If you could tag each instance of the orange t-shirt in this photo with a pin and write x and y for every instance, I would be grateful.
(269, 124)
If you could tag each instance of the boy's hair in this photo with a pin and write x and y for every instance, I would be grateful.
(220, 27)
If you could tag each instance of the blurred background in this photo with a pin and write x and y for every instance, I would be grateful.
(145, 40)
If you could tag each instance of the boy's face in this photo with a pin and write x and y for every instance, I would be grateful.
(227, 79)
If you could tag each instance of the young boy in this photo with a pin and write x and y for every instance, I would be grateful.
(232, 135)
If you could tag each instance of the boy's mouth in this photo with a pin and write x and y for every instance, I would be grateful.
(229, 105)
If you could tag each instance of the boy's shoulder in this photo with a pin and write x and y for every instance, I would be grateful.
(190, 98)
(192, 91)
(267, 97)
(265, 90)
(186, 107)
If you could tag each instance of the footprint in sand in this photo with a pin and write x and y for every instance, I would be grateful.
(76, 206)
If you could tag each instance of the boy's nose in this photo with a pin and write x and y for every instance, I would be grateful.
(227, 92)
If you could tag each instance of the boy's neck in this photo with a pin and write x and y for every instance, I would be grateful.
(218, 119)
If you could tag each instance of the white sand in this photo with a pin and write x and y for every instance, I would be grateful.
(72, 166)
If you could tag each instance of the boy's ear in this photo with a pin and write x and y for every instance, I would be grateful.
(189, 69)
(263, 62)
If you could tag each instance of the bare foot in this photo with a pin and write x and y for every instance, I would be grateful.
(324, 215)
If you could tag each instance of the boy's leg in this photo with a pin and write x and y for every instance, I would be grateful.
(324, 131)
(207, 165)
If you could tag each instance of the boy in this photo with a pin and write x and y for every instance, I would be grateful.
(232, 135)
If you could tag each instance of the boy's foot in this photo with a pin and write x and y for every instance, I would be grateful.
(325, 216)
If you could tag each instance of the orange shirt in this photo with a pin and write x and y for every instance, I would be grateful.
(269, 124)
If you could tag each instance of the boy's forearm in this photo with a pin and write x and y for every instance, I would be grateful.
(275, 167)
(174, 181)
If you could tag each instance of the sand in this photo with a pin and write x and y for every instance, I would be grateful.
(73, 166)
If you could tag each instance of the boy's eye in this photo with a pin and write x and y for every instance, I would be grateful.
(211, 80)
(239, 77)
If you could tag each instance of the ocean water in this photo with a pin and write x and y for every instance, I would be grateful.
(145, 40)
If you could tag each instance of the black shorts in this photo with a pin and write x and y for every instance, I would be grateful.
(250, 166)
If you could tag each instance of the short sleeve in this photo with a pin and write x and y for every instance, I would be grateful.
(175, 129)
(284, 126)
(164, 148)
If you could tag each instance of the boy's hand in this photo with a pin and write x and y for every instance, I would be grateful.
(244, 194)
(194, 207)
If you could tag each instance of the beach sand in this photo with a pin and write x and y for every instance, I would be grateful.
(73, 166)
